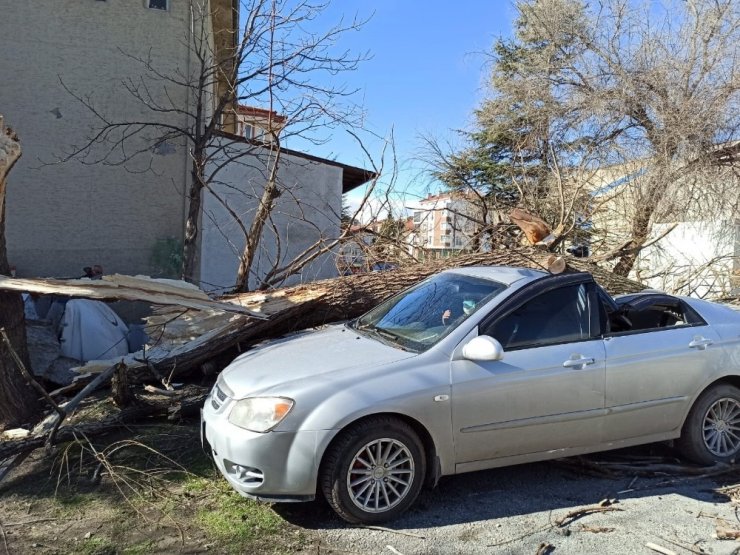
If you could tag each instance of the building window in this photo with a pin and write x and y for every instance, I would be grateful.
(417, 217)
(157, 4)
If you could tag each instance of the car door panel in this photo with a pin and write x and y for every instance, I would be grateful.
(528, 402)
(548, 390)
(653, 376)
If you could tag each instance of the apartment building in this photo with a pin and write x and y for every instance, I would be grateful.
(443, 224)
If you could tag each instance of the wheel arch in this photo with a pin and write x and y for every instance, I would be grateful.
(434, 471)
(729, 379)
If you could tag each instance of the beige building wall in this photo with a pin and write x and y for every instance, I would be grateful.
(64, 216)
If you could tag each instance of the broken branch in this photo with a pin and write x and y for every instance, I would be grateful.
(579, 513)
(36, 385)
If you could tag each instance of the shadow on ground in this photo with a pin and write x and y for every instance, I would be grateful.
(524, 489)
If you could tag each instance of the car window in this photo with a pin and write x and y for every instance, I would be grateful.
(652, 312)
(557, 316)
(420, 316)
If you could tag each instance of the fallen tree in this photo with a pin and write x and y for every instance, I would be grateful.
(185, 340)
(190, 338)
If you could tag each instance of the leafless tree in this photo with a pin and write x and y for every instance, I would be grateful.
(276, 59)
(617, 115)
(278, 260)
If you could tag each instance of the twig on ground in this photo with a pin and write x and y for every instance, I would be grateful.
(660, 548)
(698, 551)
(545, 549)
(33, 521)
(530, 533)
(384, 529)
(578, 513)
(5, 539)
(665, 483)
(595, 529)
(158, 391)
(650, 470)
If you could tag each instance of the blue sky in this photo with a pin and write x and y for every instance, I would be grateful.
(425, 76)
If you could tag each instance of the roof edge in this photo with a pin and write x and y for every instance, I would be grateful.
(352, 176)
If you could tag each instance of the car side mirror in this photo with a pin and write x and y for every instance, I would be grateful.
(483, 347)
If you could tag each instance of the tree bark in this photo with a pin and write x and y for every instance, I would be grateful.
(322, 302)
(640, 231)
(18, 402)
(264, 210)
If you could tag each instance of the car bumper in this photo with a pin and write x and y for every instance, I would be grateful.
(271, 466)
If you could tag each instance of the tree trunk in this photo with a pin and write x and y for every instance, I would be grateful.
(190, 243)
(640, 232)
(18, 402)
(322, 302)
(264, 210)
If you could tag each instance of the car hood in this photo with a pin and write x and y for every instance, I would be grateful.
(314, 354)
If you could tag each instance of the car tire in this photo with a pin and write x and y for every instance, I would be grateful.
(711, 433)
(374, 471)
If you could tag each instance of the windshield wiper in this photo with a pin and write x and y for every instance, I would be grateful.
(387, 334)
(393, 338)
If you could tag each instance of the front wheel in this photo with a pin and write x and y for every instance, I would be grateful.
(711, 433)
(374, 471)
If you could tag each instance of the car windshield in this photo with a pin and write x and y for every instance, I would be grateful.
(419, 317)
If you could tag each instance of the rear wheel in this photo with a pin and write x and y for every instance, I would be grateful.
(711, 433)
(374, 471)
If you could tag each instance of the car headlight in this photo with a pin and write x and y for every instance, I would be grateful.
(260, 414)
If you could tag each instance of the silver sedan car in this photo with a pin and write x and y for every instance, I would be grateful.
(471, 369)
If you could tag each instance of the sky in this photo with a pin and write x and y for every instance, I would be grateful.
(425, 76)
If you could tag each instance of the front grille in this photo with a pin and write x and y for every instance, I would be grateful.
(218, 397)
(220, 394)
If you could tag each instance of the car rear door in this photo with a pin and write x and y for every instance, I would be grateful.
(548, 390)
(654, 373)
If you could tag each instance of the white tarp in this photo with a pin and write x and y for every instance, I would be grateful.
(91, 330)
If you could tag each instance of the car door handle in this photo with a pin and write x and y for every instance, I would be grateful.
(578, 362)
(700, 343)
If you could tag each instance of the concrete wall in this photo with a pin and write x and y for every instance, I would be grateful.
(65, 216)
(310, 191)
(700, 259)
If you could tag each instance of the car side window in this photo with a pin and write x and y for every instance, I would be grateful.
(655, 312)
(558, 316)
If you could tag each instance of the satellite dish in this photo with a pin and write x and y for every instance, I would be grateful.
(556, 264)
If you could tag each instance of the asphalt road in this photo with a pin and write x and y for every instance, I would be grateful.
(516, 510)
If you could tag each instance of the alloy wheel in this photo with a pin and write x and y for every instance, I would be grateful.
(380, 475)
(721, 427)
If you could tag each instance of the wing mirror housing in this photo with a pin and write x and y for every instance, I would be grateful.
(483, 347)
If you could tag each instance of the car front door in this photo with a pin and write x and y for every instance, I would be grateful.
(548, 390)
